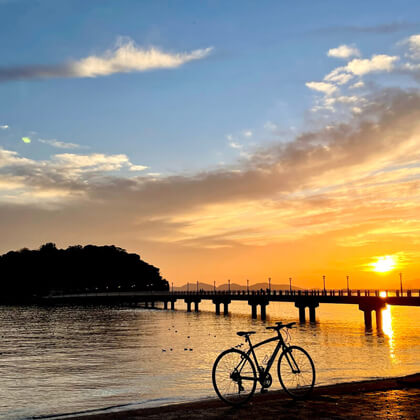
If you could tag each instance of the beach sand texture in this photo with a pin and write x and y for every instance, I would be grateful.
(395, 398)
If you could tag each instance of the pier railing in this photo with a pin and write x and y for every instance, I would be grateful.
(310, 292)
(368, 300)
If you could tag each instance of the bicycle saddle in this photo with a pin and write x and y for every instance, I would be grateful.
(244, 333)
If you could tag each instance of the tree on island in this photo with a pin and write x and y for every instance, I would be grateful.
(77, 269)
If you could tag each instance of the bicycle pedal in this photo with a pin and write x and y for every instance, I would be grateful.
(264, 390)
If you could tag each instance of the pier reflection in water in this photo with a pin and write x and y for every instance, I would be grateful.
(62, 359)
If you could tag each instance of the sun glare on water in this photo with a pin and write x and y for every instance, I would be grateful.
(384, 264)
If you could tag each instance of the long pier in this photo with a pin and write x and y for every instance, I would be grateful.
(368, 300)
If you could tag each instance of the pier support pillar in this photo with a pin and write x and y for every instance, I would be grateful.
(378, 319)
(196, 305)
(226, 308)
(256, 301)
(302, 317)
(188, 306)
(312, 313)
(146, 304)
(368, 318)
(165, 304)
(367, 309)
(217, 304)
(152, 304)
(172, 305)
(263, 312)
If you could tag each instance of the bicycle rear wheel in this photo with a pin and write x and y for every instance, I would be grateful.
(296, 372)
(234, 377)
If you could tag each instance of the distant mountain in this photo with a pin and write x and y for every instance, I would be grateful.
(192, 287)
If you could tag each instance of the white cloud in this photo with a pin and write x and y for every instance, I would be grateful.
(60, 144)
(348, 99)
(323, 87)
(269, 125)
(9, 158)
(377, 63)
(4, 127)
(357, 85)
(343, 51)
(126, 57)
(414, 46)
(247, 133)
(339, 76)
(95, 162)
(229, 137)
(235, 145)
(137, 167)
(92, 162)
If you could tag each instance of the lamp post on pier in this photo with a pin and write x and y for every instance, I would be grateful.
(197, 286)
(401, 287)
(348, 289)
(188, 286)
(247, 286)
(172, 287)
(269, 284)
(290, 284)
(214, 286)
(229, 285)
(323, 278)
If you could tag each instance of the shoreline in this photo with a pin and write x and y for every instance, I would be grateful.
(275, 401)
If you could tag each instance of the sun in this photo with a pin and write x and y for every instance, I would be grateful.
(384, 264)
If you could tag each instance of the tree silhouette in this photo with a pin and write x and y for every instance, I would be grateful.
(29, 273)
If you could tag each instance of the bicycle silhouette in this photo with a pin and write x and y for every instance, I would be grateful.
(235, 376)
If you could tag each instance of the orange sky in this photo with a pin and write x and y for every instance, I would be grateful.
(331, 201)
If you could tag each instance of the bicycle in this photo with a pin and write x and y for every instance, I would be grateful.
(235, 377)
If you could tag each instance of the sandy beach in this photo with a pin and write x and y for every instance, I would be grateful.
(394, 398)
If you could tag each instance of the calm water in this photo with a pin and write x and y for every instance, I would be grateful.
(66, 359)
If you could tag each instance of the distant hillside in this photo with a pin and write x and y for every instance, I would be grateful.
(28, 273)
(233, 286)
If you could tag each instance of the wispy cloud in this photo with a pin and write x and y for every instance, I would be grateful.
(4, 127)
(383, 28)
(349, 184)
(125, 57)
(61, 144)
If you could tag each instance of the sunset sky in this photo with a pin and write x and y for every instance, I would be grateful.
(219, 140)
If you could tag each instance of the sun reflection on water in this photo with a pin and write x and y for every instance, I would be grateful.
(388, 331)
(387, 321)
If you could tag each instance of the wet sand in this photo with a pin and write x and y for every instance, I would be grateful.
(395, 398)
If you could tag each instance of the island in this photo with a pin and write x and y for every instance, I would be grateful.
(29, 274)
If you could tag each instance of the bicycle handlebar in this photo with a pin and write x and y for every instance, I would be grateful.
(281, 325)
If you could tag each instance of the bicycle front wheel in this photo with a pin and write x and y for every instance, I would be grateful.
(296, 372)
(234, 377)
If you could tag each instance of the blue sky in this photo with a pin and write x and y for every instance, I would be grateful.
(227, 131)
(177, 119)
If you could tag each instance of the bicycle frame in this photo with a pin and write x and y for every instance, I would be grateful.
(281, 345)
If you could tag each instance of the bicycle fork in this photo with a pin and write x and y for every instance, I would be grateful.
(292, 362)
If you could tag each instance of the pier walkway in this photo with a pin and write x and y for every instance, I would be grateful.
(368, 300)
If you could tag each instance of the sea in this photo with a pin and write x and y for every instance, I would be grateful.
(71, 359)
